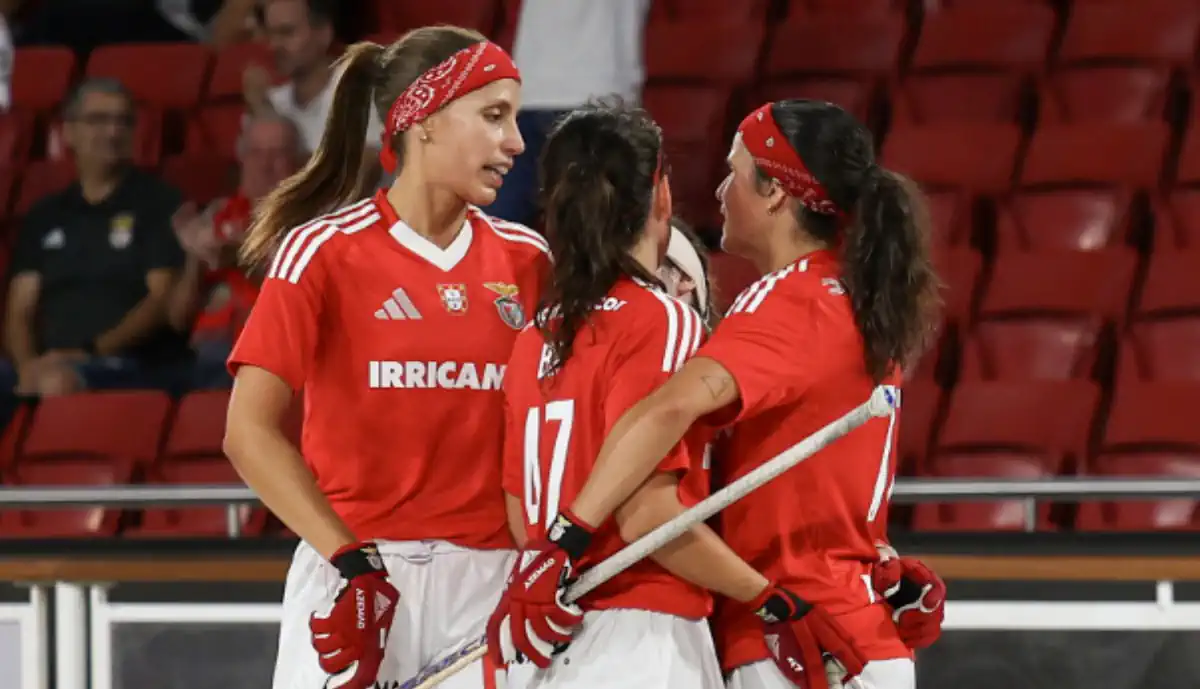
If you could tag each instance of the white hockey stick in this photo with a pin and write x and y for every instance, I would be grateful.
(884, 400)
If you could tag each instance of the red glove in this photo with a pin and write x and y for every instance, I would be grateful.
(350, 640)
(810, 648)
(532, 619)
(915, 592)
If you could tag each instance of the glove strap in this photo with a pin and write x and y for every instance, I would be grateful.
(357, 559)
(571, 534)
(776, 604)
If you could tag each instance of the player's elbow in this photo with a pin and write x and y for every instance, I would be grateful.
(669, 409)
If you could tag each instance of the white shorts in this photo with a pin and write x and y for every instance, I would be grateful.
(898, 673)
(629, 649)
(447, 593)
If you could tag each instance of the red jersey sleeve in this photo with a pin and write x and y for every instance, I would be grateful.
(657, 346)
(772, 351)
(282, 330)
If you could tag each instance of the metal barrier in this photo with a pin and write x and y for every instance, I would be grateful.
(904, 491)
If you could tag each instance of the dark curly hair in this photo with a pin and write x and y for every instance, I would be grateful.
(598, 170)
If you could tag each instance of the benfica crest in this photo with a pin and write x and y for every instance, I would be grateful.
(507, 305)
(454, 298)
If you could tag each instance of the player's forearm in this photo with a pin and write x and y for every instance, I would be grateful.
(630, 454)
(18, 337)
(702, 558)
(276, 472)
(699, 556)
(143, 319)
(185, 296)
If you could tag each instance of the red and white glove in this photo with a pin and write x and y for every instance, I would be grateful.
(915, 592)
(351, 639)
(532, 619)
(809, 646)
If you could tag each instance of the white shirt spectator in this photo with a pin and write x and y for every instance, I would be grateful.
(310, 117)
(570, 51)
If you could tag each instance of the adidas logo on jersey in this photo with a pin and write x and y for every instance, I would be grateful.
(448, 375)
(398, 308)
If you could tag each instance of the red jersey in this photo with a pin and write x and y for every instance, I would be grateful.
(400, 347)
(791, 343)
(557, 423)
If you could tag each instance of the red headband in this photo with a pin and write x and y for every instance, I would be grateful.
(776, 157)
(463, 72)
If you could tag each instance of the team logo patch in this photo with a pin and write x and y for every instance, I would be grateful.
(120, 230)
(454, 298)
(507, 305)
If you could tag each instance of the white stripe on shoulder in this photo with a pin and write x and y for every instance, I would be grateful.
(752, 297)
(684, 327)
(300, 244)
(515, 232)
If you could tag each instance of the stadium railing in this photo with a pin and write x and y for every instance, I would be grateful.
(78, 615)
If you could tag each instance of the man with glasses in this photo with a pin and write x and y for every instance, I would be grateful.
(94, 264)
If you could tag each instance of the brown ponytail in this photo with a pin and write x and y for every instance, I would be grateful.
(372, 76)
(888, 273)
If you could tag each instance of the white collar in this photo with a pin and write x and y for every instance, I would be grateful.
(446, 258)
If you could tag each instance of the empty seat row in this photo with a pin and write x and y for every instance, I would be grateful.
(115, 438)
(1032, 430)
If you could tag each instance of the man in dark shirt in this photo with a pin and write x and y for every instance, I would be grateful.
(94, 265)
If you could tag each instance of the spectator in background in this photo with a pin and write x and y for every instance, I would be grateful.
(300, 33)
(94, 265)
(213, 296)
(569, 52)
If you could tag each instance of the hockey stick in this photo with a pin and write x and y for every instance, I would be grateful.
(883, 401)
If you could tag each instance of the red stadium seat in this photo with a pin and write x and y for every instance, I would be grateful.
(42, 178)
(121, 426)
(854, 8)
(201, 178)
(1148, 435)
(41, 77)
(971, 157)
(229, 66)
(730, 275)
(215, 129)
(1044, 315)
(1091, 153)
(403, 15)
(1164, 338)
(1111, 94)
(702, 52)
(833, 57)
(974, 64)
(16, 137)
(711, 10)
(1162, 32)
(164, 75)
(198, 521)
(950, 213)
(920, 406)
(1007, 430)
(689, 116)
(1004, 515)
(67, 522)
(959, 269)
(1078, 219)
(1177, 215)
